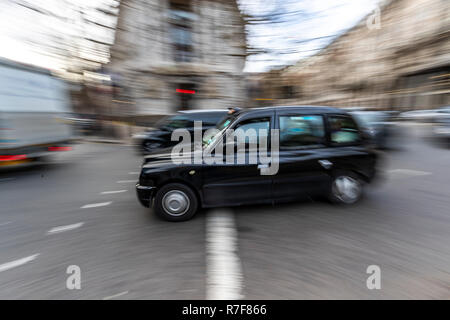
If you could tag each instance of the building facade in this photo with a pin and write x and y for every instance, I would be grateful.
(401, 63)
(172, 55)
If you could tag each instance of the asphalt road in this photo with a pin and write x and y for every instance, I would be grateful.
(57, 215)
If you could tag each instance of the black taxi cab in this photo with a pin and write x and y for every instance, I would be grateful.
(319, 151)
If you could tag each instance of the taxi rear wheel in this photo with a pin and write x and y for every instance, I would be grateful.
(175, 202)
(346, 188)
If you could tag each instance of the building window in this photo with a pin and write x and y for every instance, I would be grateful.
(181, 20)
(288, 92)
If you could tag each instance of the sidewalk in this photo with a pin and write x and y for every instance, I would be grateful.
(100, 139)
(120, 134)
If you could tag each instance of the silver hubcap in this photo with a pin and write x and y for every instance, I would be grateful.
(175, 203)
(347, 189)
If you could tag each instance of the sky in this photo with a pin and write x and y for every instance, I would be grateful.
(51, 37)
(290, 40)
(285, 41)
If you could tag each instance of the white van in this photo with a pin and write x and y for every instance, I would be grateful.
(33, 105)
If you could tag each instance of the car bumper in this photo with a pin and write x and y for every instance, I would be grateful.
(145, 195)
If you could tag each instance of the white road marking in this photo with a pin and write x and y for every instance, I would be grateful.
(127, 181)
(65, 228)
(17, 263)
(95, 205)
(408, 172)
(134, 173)
(223, 267)
(187, 290)
(114, 192)
(5, 223)
(116, 295)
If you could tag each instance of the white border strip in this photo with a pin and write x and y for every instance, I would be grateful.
(127, 181)
(114, 192)
(65, 228)
(17, 263)
(96, 205)
(115, 296)
(223, 267)
(409, 172)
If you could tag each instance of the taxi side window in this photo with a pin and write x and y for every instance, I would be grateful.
(301, 130)
(343, 130)
(256, 127)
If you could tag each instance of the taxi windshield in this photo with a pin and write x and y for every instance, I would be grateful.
(223, 125)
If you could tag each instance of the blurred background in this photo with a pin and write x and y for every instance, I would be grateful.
(88, 86)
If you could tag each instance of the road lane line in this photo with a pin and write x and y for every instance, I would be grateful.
(408, 172)
(114, 192)
(127, 181)
(17, 263)
(5, 223)
(96, 205)
(134, 172)
(223, 267)
(116, 295)
(65, 228)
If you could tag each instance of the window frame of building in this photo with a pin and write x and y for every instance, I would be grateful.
(181, 20)
(288, 92)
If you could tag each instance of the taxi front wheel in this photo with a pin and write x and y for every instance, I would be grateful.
(176, 202)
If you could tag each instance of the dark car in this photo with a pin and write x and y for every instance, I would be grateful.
(384, 133)
(321, 152)
(160, 137)
(84, 124)
(441, 125)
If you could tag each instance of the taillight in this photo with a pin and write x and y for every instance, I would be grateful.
(13, 157)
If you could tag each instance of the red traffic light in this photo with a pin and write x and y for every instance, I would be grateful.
(186, 91)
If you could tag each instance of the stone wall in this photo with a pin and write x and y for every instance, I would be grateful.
(142, 56)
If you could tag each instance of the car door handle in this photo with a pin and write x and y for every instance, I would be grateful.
(326, 164)
(263, 166)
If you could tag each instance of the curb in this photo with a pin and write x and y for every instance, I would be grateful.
(99, 140)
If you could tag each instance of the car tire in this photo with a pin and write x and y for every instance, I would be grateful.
(175, 202)
(346, 188)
